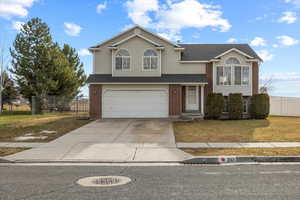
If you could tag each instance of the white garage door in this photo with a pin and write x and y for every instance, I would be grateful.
(135, 104)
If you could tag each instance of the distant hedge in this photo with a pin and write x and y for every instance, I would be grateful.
(214, 106)
(235, 106)
(260, 106)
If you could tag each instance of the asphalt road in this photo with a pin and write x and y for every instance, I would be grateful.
(167, 182)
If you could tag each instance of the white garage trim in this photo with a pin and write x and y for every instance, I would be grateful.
(135, 102)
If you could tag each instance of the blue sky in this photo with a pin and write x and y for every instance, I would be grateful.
(270, 26)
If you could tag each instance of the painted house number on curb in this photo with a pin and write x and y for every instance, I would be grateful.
(227, 159)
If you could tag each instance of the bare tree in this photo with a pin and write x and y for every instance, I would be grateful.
(267, 86)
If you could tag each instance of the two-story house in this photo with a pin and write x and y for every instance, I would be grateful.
(138, 74)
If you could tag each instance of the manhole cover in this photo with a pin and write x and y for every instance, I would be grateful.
(103, 181)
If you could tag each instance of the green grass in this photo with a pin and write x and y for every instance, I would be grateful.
(12, 126)
(274, 129)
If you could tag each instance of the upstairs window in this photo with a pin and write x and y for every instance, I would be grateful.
(233, 73)
(232, 61)
(241, 75)
(150, 60)
(122, 60)
(223, 75)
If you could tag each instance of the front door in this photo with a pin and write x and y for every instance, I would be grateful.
(192, 98)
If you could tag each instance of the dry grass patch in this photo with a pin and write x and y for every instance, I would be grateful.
(274, 129)
(24, 125)
(286, 151)
(5, 151)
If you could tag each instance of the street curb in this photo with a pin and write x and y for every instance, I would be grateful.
(84, 161)
(241, 159)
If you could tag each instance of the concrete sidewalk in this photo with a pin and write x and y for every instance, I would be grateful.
(238, 145)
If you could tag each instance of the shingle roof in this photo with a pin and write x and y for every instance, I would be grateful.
(206, 52)
(165, 78)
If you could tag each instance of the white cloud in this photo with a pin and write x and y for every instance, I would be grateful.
(101, 7)
(173, 16)
(173, 36)
(275, 45)
(265, 55)
(258, 41)
(281, 76)
(232, 40)
(84, 52)
(72, 29)
(126, 27)
(287, 40)
(16, 25)
(15, 8)
(288, 17)
(295, 2)
(138, 11)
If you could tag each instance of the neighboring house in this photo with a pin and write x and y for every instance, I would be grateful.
(138, 74)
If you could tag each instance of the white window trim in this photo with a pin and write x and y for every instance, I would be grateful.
(247, 105)
(158, 61)
(234, 58)
(115, 63)
(232, 66)
(243, 66)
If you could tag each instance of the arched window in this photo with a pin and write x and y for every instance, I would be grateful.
(122, 60)
(150, 60)
(232, 61)
(233, 73)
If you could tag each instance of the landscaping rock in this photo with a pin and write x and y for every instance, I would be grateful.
(48, 132)
(24, 138)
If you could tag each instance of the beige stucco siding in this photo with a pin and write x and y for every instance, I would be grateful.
(136, 47)
(103, 59)
(226, 90)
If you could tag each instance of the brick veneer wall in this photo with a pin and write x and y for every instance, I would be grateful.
(209, 87)
(95, 101)
(175, 100)
(255, 78)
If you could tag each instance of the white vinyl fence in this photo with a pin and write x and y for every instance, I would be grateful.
(285, 106)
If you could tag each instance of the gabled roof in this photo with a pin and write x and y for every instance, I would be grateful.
(207, 52)
(135, 35)
(130, 29)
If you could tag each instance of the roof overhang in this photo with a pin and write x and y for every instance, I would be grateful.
(236, 50)
(133, 36)
(132, 28)
(163, 79)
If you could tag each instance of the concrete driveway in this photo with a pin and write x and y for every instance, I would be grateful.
(111, 141)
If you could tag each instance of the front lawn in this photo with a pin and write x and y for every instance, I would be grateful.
(41, 128)
(274, 129)
(286, 151)
(5, 151)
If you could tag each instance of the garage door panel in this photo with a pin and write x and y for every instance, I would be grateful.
(135, 104)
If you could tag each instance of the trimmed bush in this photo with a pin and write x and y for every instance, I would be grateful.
(214, 106)
(260, 106)
(235, 106)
